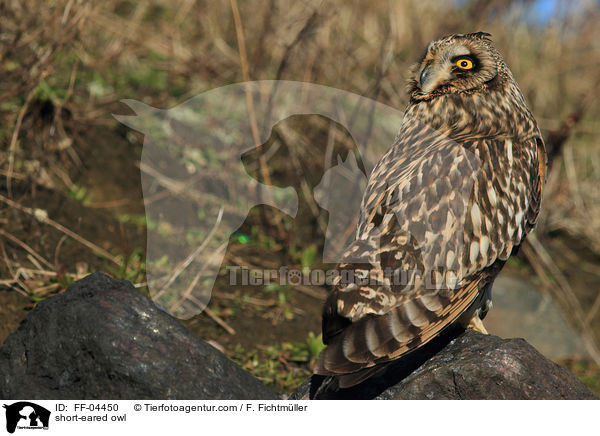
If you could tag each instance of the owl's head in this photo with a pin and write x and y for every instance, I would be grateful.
(457, 64)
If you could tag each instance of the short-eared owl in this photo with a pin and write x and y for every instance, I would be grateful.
(443, 210)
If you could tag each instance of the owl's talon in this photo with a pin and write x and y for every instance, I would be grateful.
(477, 324)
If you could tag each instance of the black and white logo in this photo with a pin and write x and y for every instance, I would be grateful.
(26, 415)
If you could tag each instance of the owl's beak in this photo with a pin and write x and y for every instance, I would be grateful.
(433, 75)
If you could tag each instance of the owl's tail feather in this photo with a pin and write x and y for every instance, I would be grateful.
(362, 348)
(348, 380)
(328, 387)
(370, 382)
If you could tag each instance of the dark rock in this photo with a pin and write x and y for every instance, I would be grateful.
(471, 367)
(103, 339)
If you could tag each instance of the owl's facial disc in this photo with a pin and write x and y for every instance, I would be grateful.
(445, 65)
(457, 65)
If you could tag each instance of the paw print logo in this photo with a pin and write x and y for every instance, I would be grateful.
(294, 277)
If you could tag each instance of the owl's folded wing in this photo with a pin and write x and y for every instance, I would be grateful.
(455, 220)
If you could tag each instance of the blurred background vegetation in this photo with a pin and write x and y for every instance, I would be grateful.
(70, 191)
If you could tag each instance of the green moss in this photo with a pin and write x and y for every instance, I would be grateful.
(282, 367)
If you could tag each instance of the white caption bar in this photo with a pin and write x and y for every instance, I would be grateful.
(23, 417)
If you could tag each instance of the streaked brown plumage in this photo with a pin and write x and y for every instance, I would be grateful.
(454, 196)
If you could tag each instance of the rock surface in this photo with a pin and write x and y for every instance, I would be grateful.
(103, 339)
(472, 367)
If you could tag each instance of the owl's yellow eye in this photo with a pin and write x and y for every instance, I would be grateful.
(464, 64)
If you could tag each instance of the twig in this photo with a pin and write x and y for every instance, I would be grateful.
(318, 293)
(26, 248)
(219, 321)
(66, 12)
(196, 279)
(251, 112)
(5, 257)
(13, 175)
(39, 272)
(42, 216)
(246, 74)
(109, 204)
(213, 315)
(572, 176)
(241, 262)
(176, 187)
(34, 261)
(57, 249)
(58, 112)
(245, 298)
(556, 138)
(23, 291)
(15, 136)
(188, 260)
(187, 292)
(309, 25)
(593, 310)
(42, 289)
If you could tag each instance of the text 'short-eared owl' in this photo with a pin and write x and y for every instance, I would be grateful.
(443, 210)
